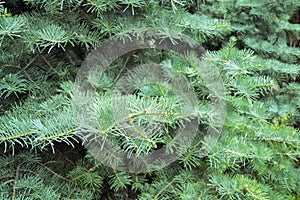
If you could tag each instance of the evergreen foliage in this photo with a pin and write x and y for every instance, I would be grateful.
(254, 45)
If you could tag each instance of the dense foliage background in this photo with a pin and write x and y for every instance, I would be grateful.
(254, 44)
